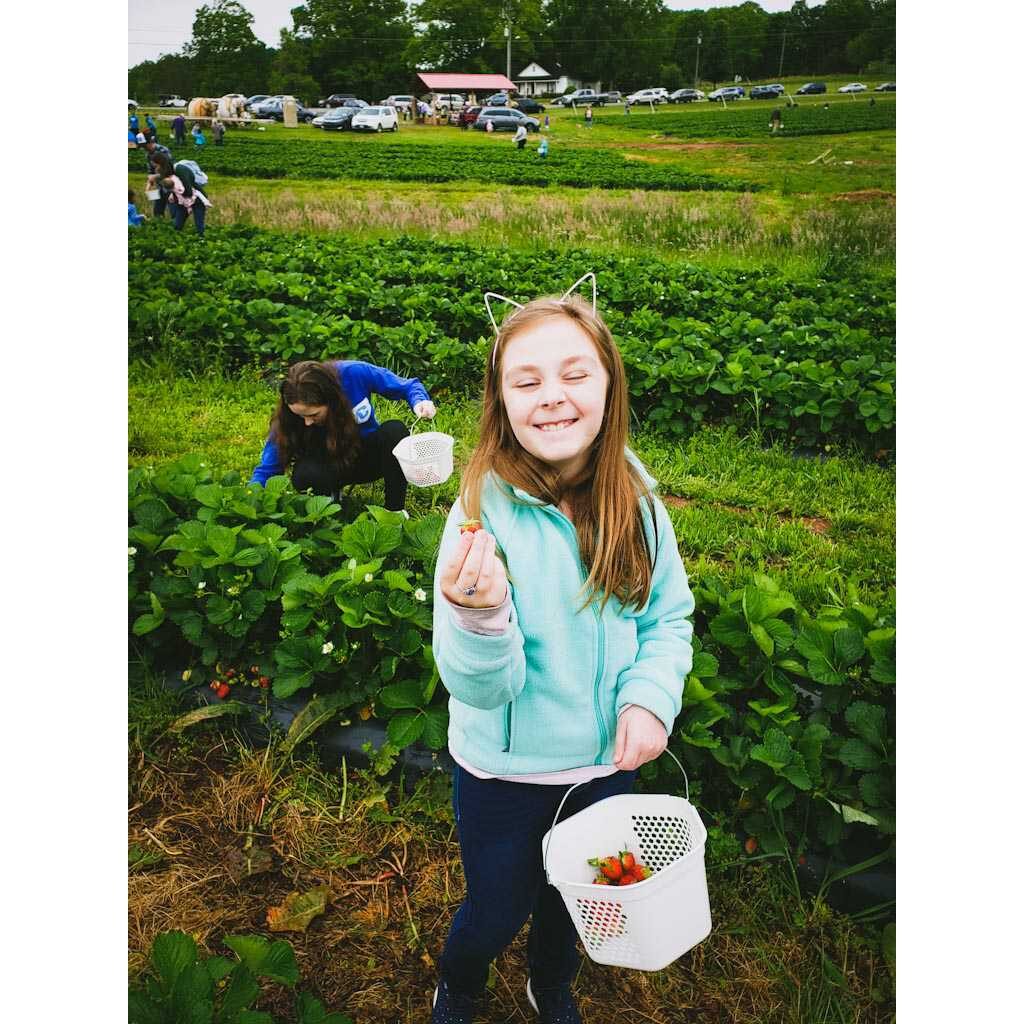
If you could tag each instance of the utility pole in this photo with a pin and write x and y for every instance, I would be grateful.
(508, 42)
(696, 70)
(783, 53)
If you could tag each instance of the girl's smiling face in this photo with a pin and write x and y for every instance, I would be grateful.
(554, 388)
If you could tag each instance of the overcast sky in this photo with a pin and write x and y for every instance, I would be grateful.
(164, 26)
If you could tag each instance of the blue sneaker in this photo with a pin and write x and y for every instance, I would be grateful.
(554, 1005)
(451, 1007)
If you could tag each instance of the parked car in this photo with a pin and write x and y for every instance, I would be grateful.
(685, 96)
(336, 99)
(854, 87)
(337, 119)
(505, 119)
(275, 108)
(886, 87)
(812, 89)
(444, 101)
(467, 116)
(728, 92)
(528, 105)
(767, 92)
(383, 117)
(581, 97)
(173, 101)
(612, 97)
(404, 102)
(646, 96)
(498, 99)
(255, 101)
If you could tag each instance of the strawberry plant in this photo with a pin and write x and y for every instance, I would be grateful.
(385, 159)
(799, 712)
(751, 122)
(184, 985)
(224, 573)
(810, 362)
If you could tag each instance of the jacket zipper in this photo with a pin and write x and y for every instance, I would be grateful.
(602, 728)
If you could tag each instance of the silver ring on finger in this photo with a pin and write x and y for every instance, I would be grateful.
(468, 591)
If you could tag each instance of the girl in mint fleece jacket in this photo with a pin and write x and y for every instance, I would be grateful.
(561, 631)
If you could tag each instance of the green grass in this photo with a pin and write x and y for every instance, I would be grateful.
(753, 509)
(796, 233)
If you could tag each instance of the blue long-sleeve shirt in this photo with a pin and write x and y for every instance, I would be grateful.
(358, 380)
(134, 219)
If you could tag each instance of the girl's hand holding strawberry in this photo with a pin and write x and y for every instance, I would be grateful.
(474, 576)
(639, 737)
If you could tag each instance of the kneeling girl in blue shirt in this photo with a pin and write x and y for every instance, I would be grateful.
(325, 429)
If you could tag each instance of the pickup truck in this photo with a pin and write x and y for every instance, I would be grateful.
(581, 97)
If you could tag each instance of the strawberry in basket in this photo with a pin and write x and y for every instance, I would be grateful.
(623, 869)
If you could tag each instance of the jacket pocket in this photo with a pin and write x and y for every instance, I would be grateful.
(510, 726)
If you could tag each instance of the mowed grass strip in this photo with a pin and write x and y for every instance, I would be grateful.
(811, 523)
(798, 234)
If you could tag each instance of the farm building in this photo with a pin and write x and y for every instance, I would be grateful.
(534, 80)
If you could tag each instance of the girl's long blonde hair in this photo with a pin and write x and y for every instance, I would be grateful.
(605, 496)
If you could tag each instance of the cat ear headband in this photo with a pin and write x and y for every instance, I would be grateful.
(494, 295)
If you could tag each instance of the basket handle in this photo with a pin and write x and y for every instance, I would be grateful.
(551, 831)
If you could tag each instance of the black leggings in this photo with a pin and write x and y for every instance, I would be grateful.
(375, 460)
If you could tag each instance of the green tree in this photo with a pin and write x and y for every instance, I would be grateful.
(289, 71)
(225, 54)
(469, 35)
(357, 46)
(617, 43)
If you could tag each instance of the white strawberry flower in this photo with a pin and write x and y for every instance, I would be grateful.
(131, 551)
(201, 585)
(368, 577)
(420, 595)
(327, 648)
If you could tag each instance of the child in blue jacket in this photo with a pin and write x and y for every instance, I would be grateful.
(325, 429)
(566, 654)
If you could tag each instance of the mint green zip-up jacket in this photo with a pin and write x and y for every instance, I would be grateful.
(545, 695)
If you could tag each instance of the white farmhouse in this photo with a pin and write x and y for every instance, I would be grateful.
(533, 80)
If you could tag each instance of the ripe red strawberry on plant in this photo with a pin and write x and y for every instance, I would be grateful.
(264, 681)
(223, 690)
(750, 846)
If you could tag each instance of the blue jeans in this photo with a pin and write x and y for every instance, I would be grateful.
(198, 212)
(500, 827)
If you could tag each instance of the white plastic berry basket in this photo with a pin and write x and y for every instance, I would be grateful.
(153, 193)
(426, 459)
(647, 925)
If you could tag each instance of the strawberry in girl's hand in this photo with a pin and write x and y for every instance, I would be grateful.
(470, 526)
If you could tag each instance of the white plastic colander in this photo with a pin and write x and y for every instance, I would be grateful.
(426, 459)
(647, 925)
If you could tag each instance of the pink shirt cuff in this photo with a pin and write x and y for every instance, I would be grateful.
(485, 621)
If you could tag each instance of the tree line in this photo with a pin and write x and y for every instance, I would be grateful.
(375, 47)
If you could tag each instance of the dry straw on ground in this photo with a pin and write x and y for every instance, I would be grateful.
(394, 871)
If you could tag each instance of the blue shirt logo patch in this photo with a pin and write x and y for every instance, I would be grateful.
(363, 411)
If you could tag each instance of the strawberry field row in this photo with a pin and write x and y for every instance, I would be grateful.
(791, 707)
(751, 121)
(385, 159)
(810, 361)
